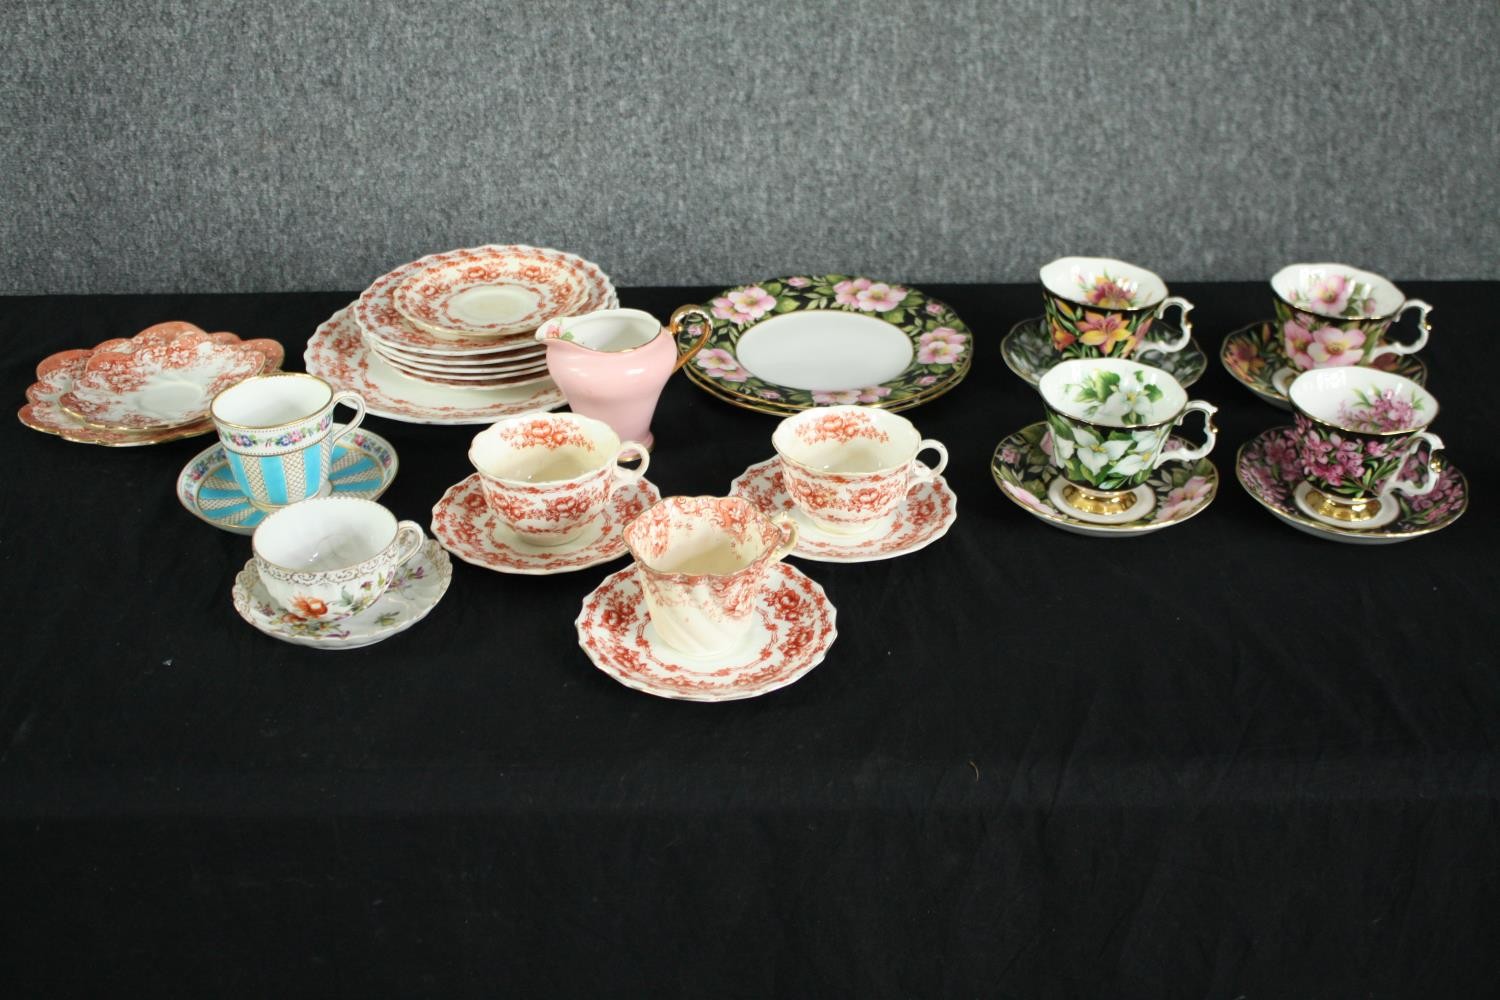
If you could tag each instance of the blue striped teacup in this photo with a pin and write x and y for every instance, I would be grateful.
(277, 433)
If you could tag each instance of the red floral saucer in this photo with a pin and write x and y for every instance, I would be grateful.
(929, 511)
(463, 522)
(792, 633)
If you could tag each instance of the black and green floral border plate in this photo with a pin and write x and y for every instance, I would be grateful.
(942, 345)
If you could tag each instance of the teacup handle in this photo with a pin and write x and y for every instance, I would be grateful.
(1210, 435)
(674, 327)
(1187, 325)
(350, 399)
(409, 540)
(1423, 329)
(623, 475)
(1434, 471)
(788, 528)
(930, 473)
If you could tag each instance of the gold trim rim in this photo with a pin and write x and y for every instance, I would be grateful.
(332, 392)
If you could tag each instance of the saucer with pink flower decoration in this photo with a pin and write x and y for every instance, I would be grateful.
(789, 344)
(1256, 355)
(1268, 468)
(1023, 469)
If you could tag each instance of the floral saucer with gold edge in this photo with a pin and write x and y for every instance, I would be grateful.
(1022, 467)
(1027, 350)
(364, 465)
(466, 526)
(1266, 467)
(792, 632)
(928, 512)
(1256, 356)
(412, 595)
(57, 374)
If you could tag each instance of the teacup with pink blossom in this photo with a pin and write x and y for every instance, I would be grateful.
(1357, 428)
(1335, 315)
(1099, 307)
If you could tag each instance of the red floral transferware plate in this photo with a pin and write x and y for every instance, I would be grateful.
(165, 376)
(463, 522)
(339, 354)
(792, 633)
(376, 314)
(58, 374)
(495, 291)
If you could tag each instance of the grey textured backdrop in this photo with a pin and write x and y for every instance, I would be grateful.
(253, 146)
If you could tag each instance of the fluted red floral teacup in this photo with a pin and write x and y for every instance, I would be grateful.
(1099, 307)
(547, 476)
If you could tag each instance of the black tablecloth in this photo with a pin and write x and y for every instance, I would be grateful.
(1226, 759)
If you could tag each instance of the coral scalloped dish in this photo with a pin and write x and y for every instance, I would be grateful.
(493, 291)
(80, 395)
(165, 376)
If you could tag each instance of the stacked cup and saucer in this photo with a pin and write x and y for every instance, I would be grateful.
(850, 478)
(331, 569)
(708, 611)
(1360, 464)
(548, 495)
(1105, 462)
(1103, 307)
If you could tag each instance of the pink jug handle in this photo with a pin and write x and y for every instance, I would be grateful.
(674, 327)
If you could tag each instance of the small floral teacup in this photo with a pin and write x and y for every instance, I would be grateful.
(1100, 307)
(1356, 430)
(702, 563)
(1331, 315)
(1110, 421)
(548, 475)
(849, 467)
(278, 437)
(331, 557)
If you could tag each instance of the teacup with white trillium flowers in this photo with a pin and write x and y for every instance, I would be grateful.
(1110, 422)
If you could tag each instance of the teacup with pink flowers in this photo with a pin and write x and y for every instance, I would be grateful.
(1335, 315)
(1356, 430)
(1099, 307)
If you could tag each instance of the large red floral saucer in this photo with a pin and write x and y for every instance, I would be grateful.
(1267, 468)
(142, 390)
(928, 512)
(466, 526)
(412, 595)
(792, 632)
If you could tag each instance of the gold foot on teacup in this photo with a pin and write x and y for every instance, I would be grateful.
(1101, 506)
(1363, 514)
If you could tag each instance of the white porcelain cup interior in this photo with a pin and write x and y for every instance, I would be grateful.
(1133, 394)
(1073, 278)
(1365, 400)
(552, 448)
(609, 330)
(1325, 289)
(272, 400)
(845, 440)
(326, 533)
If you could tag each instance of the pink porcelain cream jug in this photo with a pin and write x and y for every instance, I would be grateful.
(613, 364)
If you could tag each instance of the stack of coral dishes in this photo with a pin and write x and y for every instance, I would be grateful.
(146, 389)
(449, 338)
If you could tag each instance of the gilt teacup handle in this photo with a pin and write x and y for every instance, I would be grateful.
(1187, 325)
(1423, 329)
(1434, 469)
(1210, 435)
(674, 327)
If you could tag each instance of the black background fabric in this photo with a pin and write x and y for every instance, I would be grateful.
(1224, 760)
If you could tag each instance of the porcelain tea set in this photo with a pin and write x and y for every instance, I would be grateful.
(708, 610)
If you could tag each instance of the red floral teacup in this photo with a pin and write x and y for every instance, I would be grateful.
(849, 467)
(1356, 430)
(1099, 307)
(548, 475)
(702, 561)
(1333, 315)
(329, 558)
